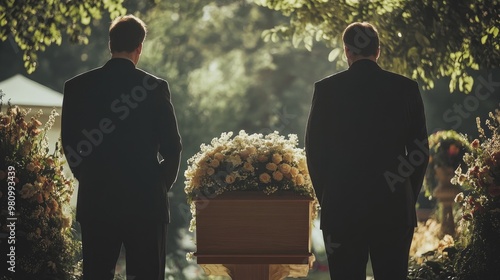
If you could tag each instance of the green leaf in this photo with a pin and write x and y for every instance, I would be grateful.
(495, 31)
(296, 39)
(308, 42)
(266, 35)
(334, 54)
(484, 38)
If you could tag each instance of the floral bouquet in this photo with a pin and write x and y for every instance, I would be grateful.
(446, 149)
(483, 174)
(34, 196)
(246, 162)
(481, 205)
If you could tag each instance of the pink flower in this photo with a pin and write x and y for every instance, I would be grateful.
(453, 150)
(475, 144)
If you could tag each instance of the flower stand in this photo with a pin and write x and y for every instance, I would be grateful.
(445, 193)
(252, 235)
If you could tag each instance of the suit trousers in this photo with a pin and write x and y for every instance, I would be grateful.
(387, 246)
(144, 243)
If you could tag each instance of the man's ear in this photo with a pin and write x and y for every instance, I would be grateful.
(139, 49)
(347, 52)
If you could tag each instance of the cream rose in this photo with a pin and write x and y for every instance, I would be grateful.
(215, 163)
(277, 158)
(263, 158)
(299, 180)
(271, 166)
(230, 179)
(265, 178)
(219, 156)
(285, 168)
(248, 167)
(278, 176)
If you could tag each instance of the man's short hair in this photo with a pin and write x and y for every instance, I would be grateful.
(126, 33)
(361, 38)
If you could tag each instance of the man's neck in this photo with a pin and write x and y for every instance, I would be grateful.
(372, 58)
(124, 56)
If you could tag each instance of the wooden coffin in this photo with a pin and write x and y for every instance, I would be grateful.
(254, 228)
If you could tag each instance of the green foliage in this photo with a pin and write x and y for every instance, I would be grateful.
(36, 24)
(425, 39)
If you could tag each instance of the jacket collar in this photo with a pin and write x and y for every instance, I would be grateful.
(121, 63)
(364, 64)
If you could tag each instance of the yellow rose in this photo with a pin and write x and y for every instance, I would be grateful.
(287, 157)
(285, 168)
(215, 163)
(210, 171)
(299, 180)
(235, 160)
(244, 154)
(277, 158)
(278, 176)
(265, 178)
(248, 167)
(230, 179)
(203, 164)
(294, 171)
(271, 166)
(262, 158)
(219, 156)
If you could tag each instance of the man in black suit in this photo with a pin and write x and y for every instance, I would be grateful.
(120, 138)
(367, 151)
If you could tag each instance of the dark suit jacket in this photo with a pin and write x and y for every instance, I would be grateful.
(366, 145)
(116, 121)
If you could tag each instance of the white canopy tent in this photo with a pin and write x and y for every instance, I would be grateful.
(28, 93)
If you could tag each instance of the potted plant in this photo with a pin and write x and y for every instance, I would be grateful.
(446, 151)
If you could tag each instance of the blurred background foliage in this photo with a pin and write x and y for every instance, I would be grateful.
(235, 64)
(424, 39)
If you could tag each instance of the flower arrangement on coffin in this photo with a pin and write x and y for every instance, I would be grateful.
(481, 205)
(248, 162)
(446, 151)
(33, 184)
